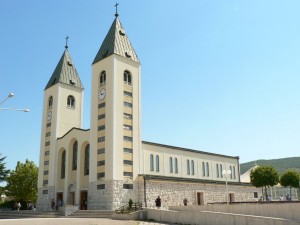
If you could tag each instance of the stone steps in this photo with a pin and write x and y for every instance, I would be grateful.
(92, 214)
(12, 214)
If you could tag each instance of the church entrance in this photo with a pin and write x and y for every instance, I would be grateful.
(71, 195)
(83, 200)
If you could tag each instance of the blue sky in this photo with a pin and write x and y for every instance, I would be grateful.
(217, 76)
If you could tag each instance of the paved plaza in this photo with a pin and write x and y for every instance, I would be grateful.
(73, 221)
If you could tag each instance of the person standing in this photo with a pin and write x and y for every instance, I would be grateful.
(59, 204)
(185, 201)
(19, 206)
(52, 204)
(158, 202)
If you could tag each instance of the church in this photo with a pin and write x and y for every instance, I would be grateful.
(105, 166)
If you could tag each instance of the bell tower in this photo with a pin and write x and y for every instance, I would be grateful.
(115, 121)
(62, 110)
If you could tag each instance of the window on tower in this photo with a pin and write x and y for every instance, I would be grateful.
(127, 77)
(71, 102)
(102, 78)
(50, 102)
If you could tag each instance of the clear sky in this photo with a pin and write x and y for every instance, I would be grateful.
(217, 76)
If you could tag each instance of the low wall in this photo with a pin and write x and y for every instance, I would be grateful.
(139, 215)
(278, 210)
(213, 218)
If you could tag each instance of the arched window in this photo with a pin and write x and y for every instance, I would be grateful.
(207, 169)
(234, 175)
(74, 161)
(151, 163)
(102, 78)
(203, 169)
(193, 167)
(188, 167)
(71, 102)
(217, 170)
(87, 160)
(176, 165)
(157, 163)
(127, 77)
(50, 102)
(63, 165)
(230, 168)
(171, 165)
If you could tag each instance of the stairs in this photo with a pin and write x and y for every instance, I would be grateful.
(92, 214)
(13, 214)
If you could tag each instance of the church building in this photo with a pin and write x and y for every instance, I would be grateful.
(105, 166)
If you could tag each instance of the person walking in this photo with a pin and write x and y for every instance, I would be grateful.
(158, 202)
(19, 206)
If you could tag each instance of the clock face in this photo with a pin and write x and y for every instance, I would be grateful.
(49, 115)
(102, 94)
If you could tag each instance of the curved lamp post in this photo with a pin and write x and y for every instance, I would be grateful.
(10, 96)
(226, 174)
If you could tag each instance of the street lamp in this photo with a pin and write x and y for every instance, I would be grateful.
(226, 174)
(10, 96)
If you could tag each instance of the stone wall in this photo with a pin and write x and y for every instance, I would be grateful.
(44, 200)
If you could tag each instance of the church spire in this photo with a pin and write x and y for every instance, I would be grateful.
(116, 42)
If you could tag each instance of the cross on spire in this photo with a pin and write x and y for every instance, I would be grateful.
(116, 5)
(66, 42)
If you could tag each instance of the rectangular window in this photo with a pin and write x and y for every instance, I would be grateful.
(102, 127)
(48, 125)
(47, 152)
(101, 163)
(45, 182)
(101, 139)
(45, 192)
(126, 93)
(127, 150)
(255, 195)
(127, 127)
(46, 172)
(46, 163)
(47, 143)
(99, 175)
(128, 104)
(127, 186)
(127, 116)
(48, 134)
(101, 151)
(128, 174)
(127, 162)
(102, 116)
(100, 186)
(101, 105)
(126, 138)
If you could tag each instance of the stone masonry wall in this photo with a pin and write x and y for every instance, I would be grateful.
(44, 200)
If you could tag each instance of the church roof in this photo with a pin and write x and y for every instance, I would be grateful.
(65, 72)
(116, 42)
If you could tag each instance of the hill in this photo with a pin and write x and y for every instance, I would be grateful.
(281, 165)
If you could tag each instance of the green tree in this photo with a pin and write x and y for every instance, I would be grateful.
(22, 182)
(290, 178)
(3, 171)
(264, 176)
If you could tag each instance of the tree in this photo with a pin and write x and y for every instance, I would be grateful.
(290, 178)
(22, 182)
(3, 171)
(264, 176)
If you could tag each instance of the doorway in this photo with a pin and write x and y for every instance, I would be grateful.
(83, 200)
(200, 198)
(231, 197)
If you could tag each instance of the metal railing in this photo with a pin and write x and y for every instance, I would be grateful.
(126, 209)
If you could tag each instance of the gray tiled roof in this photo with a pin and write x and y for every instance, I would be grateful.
(65, 72)
(116, 42)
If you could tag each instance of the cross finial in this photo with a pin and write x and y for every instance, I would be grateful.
(66, 42)
(116, 5)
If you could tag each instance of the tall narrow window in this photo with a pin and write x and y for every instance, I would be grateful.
(71, 102)
(217, 170)
(74, 161)
(63, 165)
(234, 175)
(203, 169)
(157, 163)
(188, 167)
(176, 165)
(230, 168)
(127, 77)
(193, 167)
(102, 78)
(50, 102)
(171, 164)
(87, 160)
(207, 169)
(151, 163)
(221, 170)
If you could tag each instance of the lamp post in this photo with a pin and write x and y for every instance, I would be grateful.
(10, 96)
(226, 174)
